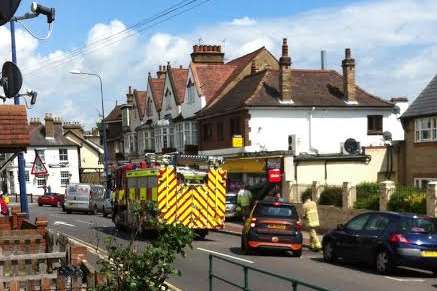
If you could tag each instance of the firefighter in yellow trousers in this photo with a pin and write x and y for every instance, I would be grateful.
(311, 217)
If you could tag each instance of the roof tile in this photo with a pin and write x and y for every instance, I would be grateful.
(157, 86)
(179, 77)
(426, 103)
(140, 99)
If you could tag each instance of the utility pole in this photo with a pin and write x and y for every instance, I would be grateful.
(21, 162)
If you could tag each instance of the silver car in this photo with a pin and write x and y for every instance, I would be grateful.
(231, 205)
(102, 202)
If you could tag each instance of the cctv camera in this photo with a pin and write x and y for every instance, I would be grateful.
(40, 9)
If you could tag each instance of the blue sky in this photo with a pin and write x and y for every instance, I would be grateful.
(394, 43)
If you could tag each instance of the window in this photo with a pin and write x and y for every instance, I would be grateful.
(41, 182)
(63, 155)
(180, 136)
(193, 133)
(171, 136)
(357, 223)
(207, 132)
(187, 132)
(149, 107)
(65, 178)
(190, 90)
(377, 223)
(26, 176)
(235, 126)
(2, 156)
(422, 183)
(40, 153)
(125, 117)
(426, 129)
(164, 138)
(168, 100)
(374, 124)
(220, 131)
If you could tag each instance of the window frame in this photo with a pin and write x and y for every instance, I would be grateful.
(346, 227)
(418, 181)
(375, 124)
(40, 179)
(63, 157)
(65, 178)
(419, 129)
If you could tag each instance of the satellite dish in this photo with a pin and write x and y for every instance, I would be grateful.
(7, 10)
(351, 146)
(11, 80)
(396, 109)
(387, 135)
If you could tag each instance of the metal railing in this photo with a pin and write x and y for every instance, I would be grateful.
(294, 283)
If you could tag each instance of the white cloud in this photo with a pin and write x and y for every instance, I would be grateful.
(243, 21)
(394, 43)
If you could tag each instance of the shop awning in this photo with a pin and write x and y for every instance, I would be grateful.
(256, 165)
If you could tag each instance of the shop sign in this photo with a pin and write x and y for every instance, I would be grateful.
(274, 175)
(237, 141)
(273, 163)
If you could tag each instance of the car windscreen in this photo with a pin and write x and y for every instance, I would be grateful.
(275, 211)
(419, 225)
(231, 199)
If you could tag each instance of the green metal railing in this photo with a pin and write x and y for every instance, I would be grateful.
(294, 284)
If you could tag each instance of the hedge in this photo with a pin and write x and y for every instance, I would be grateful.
(331, 195)
(408, 199)
(367, 196)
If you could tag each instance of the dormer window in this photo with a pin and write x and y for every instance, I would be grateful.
(167, 97)
(190, 91)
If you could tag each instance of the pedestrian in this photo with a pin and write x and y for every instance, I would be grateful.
(243, 201)
(4, 211)
(311, 218)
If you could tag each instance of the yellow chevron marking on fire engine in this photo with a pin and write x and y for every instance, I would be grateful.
(121, 195)
(203, 204)
(185, 210)
(132, 194)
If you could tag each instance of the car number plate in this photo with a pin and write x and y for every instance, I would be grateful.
(429, 254)
(276, 226)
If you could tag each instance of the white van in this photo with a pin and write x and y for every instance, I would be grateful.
(79, 197)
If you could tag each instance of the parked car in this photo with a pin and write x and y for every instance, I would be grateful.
(102, 201)
(231, 205)
(386, 240)
(272, 224)
(79, 198)
(52, 199)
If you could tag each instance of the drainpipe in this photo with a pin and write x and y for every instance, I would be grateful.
(310, 121)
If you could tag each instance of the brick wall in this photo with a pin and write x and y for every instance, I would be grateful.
(420, 158)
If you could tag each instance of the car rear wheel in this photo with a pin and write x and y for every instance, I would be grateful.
(329, 252)
(297, 254)
(383, 263)
(245, 250)
(40, 204)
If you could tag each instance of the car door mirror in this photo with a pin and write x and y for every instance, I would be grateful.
(340, 227)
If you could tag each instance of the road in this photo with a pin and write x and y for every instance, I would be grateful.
(309, 268)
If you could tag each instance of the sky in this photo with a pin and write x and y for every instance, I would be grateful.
(394, 43)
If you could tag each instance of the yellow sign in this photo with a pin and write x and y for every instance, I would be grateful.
(237, 141)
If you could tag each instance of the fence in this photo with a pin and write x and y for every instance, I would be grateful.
(294, 283)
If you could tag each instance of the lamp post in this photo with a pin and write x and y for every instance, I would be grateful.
(105, 145)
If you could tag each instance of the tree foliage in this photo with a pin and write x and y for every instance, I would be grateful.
(131, 267)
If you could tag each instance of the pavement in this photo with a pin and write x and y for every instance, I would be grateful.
(93, 230)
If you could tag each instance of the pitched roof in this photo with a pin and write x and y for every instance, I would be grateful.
(140, 100)
(210, 77)
(38, 137)
(157, 87)
(14, 131)
(426, 103)
(94, 146)
(323, 88)
(178, 79)
(115, 114)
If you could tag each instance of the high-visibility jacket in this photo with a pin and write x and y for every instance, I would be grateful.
(243, 198)
(6, 199)
(311, 215)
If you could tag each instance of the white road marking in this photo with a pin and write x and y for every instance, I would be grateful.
(86, 222)
(225, 255)
(404, 280)
(63, 223)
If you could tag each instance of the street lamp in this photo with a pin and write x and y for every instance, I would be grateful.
(105, 145)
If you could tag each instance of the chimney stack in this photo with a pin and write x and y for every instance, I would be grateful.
(349, 87)
(130, 96)
(49, 126)
(285, 77)
(161, 72)
(323, 60)
(207, 54)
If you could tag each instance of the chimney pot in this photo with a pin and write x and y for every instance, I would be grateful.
(347, 53)
(130, 89)
(349, 86)
(208, 54)
(49, 126)
(180, 67)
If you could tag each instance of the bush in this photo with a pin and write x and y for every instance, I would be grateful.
(331, 195)
(367, 196)
(145, 268)
(307, 193)
(408, 199)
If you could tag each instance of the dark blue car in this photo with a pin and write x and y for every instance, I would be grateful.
(385, 240)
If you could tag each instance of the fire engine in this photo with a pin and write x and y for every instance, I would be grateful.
(183, 194)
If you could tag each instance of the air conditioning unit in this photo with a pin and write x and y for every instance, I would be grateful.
(350, 147)
(292, 144)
